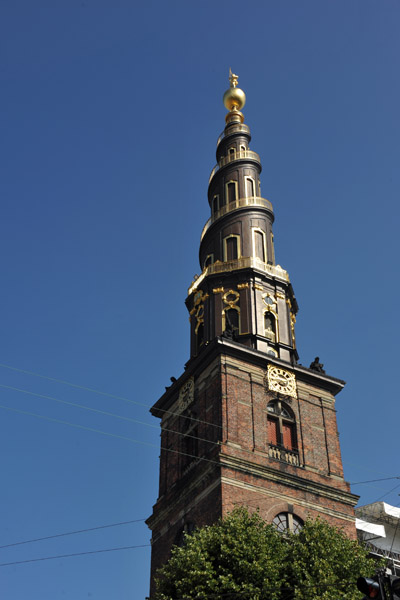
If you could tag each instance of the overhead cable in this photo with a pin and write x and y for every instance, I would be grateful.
(57, 535)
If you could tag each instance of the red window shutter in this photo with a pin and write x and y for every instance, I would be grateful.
(288, 436)
(273, 431)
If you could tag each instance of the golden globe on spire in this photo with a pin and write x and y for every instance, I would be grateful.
(234, 100)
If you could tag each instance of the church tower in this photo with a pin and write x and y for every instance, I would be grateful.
(245, 424)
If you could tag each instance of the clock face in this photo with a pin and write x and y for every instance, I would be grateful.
(282, 381)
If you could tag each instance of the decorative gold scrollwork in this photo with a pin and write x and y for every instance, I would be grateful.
(198, 308)
(231, 298)
(292, 322)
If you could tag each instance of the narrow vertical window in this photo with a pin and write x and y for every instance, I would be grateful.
(189, 449)
(259, 245)
(232, 323)
(272, 249)
(273, 431)
(209, 260)
(270, 326)
(288, 436)
(231, 191)
(231, 152)
(231, 248)
(215, 204)
(249, 187)
(199, 336)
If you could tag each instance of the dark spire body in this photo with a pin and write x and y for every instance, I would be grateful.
(241, 291)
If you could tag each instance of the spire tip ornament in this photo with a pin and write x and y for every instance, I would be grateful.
(233, 78)
(234, 99)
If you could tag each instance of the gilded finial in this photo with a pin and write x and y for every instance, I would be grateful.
(233, 78)
(234, 99)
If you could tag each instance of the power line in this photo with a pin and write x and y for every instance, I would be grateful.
(109, 395)
(375, 480)
(106, 394)
(92, 429)
(107, 433)
(103, 412)
(30, 560)
(389, 492)
(132, 440)
(51, 537)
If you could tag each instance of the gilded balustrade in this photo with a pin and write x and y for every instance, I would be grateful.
(235, 205)
(233, 130)
(239, 263)
(231, 157)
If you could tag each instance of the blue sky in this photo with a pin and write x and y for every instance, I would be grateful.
(110, 112)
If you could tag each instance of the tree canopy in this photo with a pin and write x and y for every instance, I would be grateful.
(242, 557)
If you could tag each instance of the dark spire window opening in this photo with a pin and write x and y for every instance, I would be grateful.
(270, 326)
(259, 244)
(187, 529)
(209, 260)
(232, 321)
(232, 247)
(215, 204)
(231, 191)
(250, 187)
(189, 440)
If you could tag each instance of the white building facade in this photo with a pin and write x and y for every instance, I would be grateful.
(378, 527)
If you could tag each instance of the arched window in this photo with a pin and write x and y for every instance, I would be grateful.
(270, 326)
(259, 245)
(250, 188)
(272, 250)
(232, 152)
(231, 322)
(184, 531)
(215, 204)
(286, 521)
(281, 426)
(199, 327)
(199, 336)
(209, 260)
(231, 191)
(231, 247)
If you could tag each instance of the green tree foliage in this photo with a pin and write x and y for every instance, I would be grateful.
(241, 557)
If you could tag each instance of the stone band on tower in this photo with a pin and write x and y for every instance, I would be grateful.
(245, 424)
